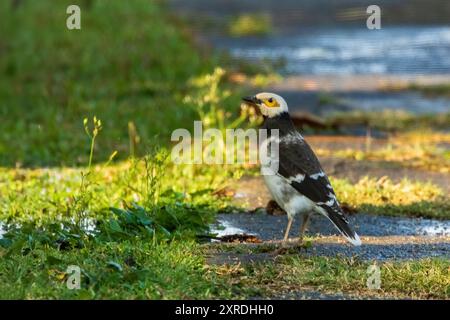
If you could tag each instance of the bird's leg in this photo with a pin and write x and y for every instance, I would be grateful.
(286, 234)
(283, 248)
(303, 228)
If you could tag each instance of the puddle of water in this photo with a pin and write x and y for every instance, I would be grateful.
(425, 227)
(225, 228)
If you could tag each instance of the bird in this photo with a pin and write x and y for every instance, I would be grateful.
(299, 185)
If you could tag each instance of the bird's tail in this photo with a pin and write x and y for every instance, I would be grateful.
(341, 223)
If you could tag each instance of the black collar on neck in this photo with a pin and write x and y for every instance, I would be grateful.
(281, 121)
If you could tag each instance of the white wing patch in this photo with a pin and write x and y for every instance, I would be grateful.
(317, 175)
(332, 196)
(297, 178)
(332, 200)
(328, 203)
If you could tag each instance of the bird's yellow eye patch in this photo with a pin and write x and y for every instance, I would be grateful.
(271, 103)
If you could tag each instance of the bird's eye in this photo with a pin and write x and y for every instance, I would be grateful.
(271, 102)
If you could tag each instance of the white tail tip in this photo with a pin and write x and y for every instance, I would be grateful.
(356, 241)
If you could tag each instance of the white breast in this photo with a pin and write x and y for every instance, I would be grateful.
(287, 197)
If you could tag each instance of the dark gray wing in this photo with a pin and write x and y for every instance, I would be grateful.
(300, 166)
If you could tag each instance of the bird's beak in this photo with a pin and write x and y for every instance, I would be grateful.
(252, 100)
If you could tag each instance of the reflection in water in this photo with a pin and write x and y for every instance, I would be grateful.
(391, 50)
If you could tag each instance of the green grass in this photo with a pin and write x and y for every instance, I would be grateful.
(131, 269)
(385, 197)
(422, 279)
(145, 241)
(46, 194)
(128, 64)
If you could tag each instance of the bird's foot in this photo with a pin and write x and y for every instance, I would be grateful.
(302, 244)
(287, 247)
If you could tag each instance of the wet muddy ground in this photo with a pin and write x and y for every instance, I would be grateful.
(384, 238)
